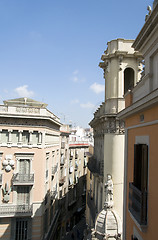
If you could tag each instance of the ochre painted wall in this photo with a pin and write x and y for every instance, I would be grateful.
(151, 131)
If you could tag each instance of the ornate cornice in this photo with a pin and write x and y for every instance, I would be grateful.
(108, 125)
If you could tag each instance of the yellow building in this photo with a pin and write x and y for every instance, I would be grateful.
(141, 136)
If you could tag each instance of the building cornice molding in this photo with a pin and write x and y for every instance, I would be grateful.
(146, 30)
(31, 117)
(106, 57)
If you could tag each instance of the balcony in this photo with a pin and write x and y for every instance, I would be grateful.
(71, 156)
(70, 183)
(85, 163)
(62, 161)
(138, 204)
(71, 169)
(76, 166)
(75, 179)
(23, 179)
(53, 193)
(62, 145)
(61, 181)
(16, 210)
(94, 166)
(0, 179)
(54, 169)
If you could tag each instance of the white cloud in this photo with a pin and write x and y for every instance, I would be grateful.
(87, 105)
(97, 88)
(75, 79)
(74, 101)
(23, 91)
(75, 72)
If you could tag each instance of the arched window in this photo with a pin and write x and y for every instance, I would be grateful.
(128, 79)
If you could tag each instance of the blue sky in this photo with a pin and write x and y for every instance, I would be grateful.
(50, 50)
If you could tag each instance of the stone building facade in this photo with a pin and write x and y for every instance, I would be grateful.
(122, 70)
(29, 148)
(42, 174)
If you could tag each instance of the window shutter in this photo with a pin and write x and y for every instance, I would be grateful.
(144, 173)
(141, 166)
(137, 165)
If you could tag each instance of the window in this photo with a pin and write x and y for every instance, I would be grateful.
(23, 195)
(47, 165)
(128, 79)
(24, 166)
(60, 194)
(35, 137)
(21, 228)
(62, 145)
(138, 188)
(53, 157)
(140, 166)
(4, 136)
(15, 136)
(25, 137)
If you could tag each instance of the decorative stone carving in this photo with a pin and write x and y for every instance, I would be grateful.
(28, 110)
(8, 163)
(107, 68)
(109, 192)
(120, 62)
(6, 193)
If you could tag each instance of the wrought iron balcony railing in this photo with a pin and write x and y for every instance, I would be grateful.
(23, 179)
(16, 210)
(138, 204)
